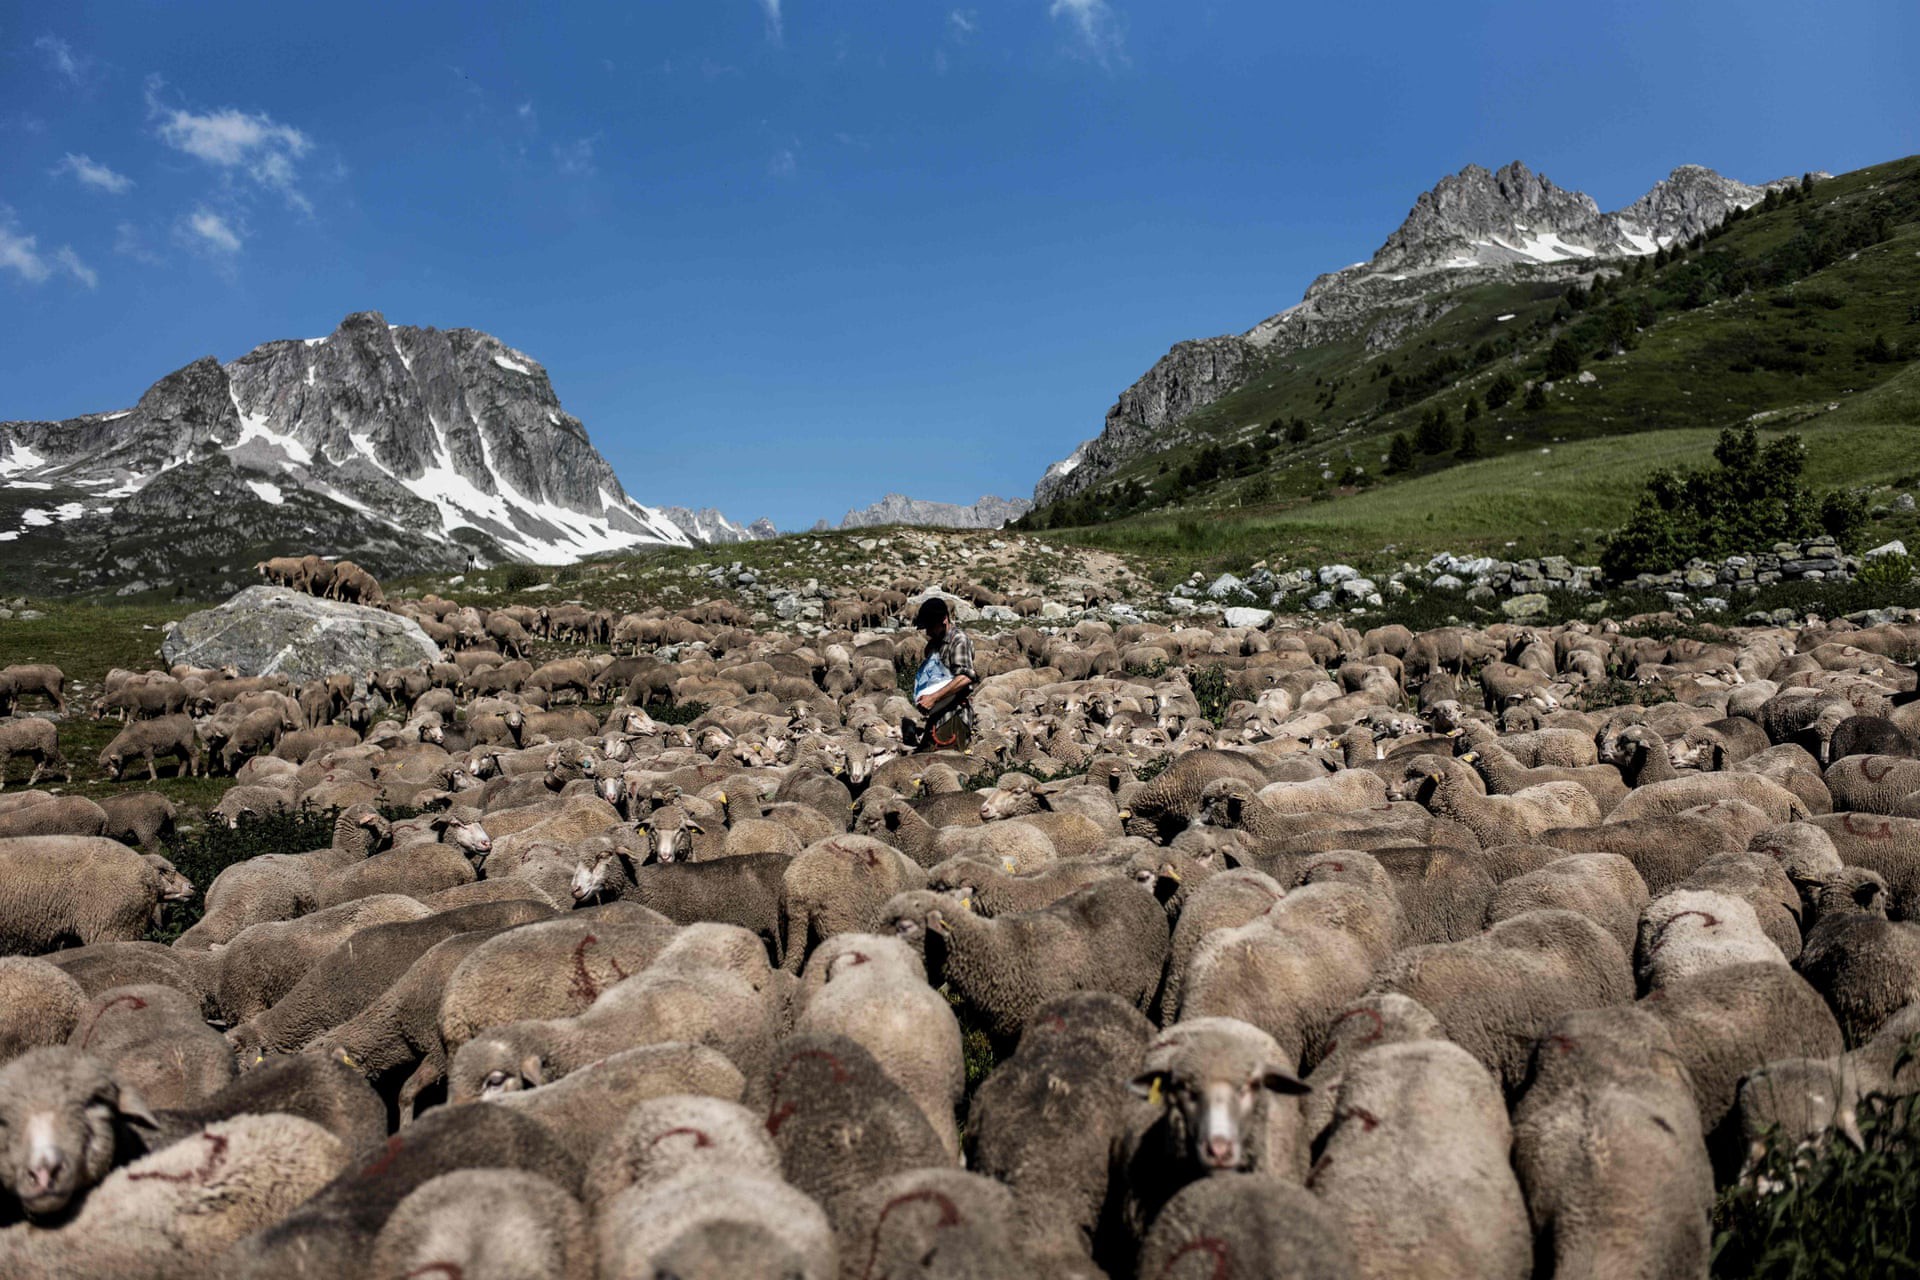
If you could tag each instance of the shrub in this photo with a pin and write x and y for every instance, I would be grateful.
(522, 577)
(1400, 454)
(1751, 497)
(1211, 692)
(1886, 571)
(1501, 390)
(680, 713)
(1563, 359)
(1834, 1210)
(1536, 398)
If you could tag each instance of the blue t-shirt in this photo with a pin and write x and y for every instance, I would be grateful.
(932, 675)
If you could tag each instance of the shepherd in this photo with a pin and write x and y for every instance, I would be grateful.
(943, 687)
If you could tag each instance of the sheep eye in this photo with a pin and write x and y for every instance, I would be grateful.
(496, 1078)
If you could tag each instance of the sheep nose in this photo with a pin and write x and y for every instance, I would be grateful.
(44, 1170)
(1219, 1150)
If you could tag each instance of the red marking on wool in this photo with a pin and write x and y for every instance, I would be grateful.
(131, 1002)
(1379, 1027)
(1213, 1247)
(1564, 1043)
(216, 1156)
(1367, 1119)
(583, 985)
(451, 1270)
(949, 1217)
(1886, 767)
(700, 1138)
(1884, 831)
(386, 1158)
(780, 1114)
(1660, 939)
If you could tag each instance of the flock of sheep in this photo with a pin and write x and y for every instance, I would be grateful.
(1395, 965)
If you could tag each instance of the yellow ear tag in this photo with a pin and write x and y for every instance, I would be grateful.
(1153, 1092)
(1006, 864)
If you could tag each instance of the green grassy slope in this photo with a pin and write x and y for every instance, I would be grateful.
(1739, 328)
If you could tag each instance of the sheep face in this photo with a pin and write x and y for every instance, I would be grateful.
(174, 887)
(1216, 1113)
(469, 837)
(590, 878)
(61, 1119)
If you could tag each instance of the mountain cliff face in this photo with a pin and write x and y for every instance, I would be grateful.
(710, 526)
(405, 448)
(988, 513)
(1473, 227)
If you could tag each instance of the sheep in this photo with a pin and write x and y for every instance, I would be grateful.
(1223, 901)
(280, 887)
(1243, 1226)
(264, 961)
(681, 1135)
(992, 891)
(744, 891)
(1016, 845)
(138, 819)
(700, 1002)
(1867, 966)
(1415, 1168)
(40, 678)
(149, 739)
(333, 1231)
(1887, 845)
(486, 1224)
(1666, 850)
(577, 1107)
(1764, 884)
(358, 971)
(65, 890)
(1728, 1021)
(840, 885)
(1106, 937)
(943, 1222)
(123, 964)
(549, 969)
(1689, 931)
(840, 1123)
(37, 739)
(1604, 887)
(1292, 969)
(66, 1121)
(414, 871)
(1609, 1150)
(1514, 819)
(1663, 798)
(58, 816)
(1046, 1118)
(1494, 993)
(176, 1213)
(1861, 783)
(1442, 892)
(872, 990)
(330, 1094)
(1172, 800)
(154, 1039)
(1219, 1098)
(39, 1004)
(719, 1224)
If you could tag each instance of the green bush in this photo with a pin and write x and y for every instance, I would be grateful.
(203, 854)
(1751, 498)
(680, 713)
(1837, 1211)
(1211, 692)
(521, 577)
(1886, 571)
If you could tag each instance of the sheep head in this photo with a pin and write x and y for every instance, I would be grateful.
(62, 1118)
(1215, 1090)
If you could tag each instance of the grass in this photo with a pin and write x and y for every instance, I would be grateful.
(86, 640)
(1559, 499)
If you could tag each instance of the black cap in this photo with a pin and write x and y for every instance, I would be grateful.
(933, 609)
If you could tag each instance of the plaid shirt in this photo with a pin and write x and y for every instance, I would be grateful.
(956, 654)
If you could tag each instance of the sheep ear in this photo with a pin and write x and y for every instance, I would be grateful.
(1233, 806)
(1276, 1079)
(134, 1112)
(1150, 1085)
(532, 1071)
(1867, 894)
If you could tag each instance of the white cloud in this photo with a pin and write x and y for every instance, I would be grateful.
(963, 22)
(525, 110)
(785, 163)
(91, 173)
(128, 241)
(213, 231)
(575, 157)
(62, 58)
(20, 254)
(776, 28)
(70, 262)
(240, 141)
(1094, 27)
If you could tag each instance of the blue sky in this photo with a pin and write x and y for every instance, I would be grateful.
(782, 256)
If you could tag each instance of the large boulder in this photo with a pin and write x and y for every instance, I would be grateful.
(274, 631)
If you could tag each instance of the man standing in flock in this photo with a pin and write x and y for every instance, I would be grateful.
(943, 686)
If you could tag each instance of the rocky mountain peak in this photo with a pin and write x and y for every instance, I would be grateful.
(1481, 218)
(989, 512)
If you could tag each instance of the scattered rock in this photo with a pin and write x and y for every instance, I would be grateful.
(1530, 605)
(1894, 548)
(1248, 617)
